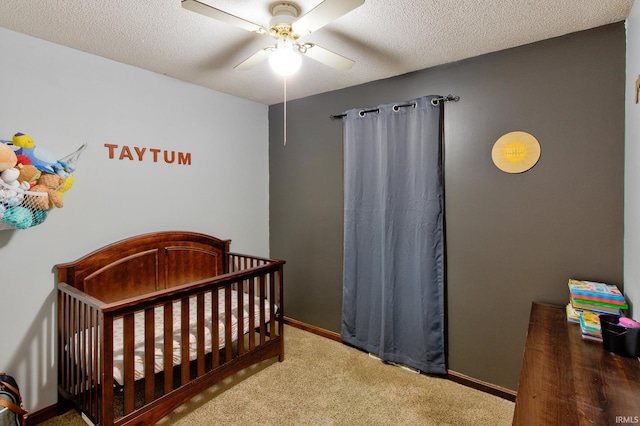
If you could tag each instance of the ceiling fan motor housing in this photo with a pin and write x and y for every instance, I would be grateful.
(284, 15)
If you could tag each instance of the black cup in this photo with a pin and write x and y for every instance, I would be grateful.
(619, 339)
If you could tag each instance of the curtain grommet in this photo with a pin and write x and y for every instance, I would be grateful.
(397, 107)
(362, 113)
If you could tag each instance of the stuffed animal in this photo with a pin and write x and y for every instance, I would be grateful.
(8, 157)
(23, 159)
(29, 174)
(66, 185)
(43, 160)
(48, 183)
(11, 191)
(11, 177)
(20, 140)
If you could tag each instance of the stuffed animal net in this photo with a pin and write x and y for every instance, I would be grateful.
(34, 184)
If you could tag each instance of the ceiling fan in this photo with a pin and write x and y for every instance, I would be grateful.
(286, 26)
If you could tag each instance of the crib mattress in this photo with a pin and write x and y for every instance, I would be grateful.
(139, 358)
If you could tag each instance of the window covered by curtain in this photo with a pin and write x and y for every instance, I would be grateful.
(393, 277)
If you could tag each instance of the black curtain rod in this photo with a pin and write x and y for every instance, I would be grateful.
(434, 102)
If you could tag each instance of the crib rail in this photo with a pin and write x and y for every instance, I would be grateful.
(268, 286)
(240, 262)
(86, 334)
(80, 327)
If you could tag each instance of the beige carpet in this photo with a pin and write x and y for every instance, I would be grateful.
(322, 382)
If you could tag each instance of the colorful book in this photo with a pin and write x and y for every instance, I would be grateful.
(591, 337)
(596, 308)
(585, 302)
(590, 323)
(621, 303)
(590, 326)
(572, 314)
(594, 289)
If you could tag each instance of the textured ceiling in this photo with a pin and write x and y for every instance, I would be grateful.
(384, 37)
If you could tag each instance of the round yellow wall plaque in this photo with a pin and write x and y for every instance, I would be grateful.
(516, 152)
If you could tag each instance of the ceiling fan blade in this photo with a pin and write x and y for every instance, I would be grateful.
(212, 12)
(324, 13)
(254, 59)
(327, 57)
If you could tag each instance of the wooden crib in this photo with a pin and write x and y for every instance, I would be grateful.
(139, 332)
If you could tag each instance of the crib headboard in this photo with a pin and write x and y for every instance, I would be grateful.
(146, 263)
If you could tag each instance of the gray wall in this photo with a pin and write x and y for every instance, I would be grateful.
(511, 239)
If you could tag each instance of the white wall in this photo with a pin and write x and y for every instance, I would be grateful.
(62, 98)
(632, 167)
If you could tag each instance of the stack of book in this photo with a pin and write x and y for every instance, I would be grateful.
(597, 297)
(573, 315)
(590, 326)
(588, 300)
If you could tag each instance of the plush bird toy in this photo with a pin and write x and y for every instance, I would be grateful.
(42, 159)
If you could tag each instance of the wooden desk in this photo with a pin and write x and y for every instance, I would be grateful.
(566, 380)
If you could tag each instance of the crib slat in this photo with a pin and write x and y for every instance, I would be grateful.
(74, 351)
(88, 330)
(106, 373)
(82, 356)
(149, 354)
(200, 333)
(272, 310)
(184, 339)
(240, 317)
(70, 345)
(128, 363)
(280, 299)
(262, 295)
(252, 314)
(92, 370)
(228, 341)
(64, 346)
(168, 347)
(74, 346)
(61, 339)
(215, 331)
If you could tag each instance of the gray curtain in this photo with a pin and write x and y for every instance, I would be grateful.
(393, 276)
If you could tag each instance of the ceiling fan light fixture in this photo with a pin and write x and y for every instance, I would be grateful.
(284, 60)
